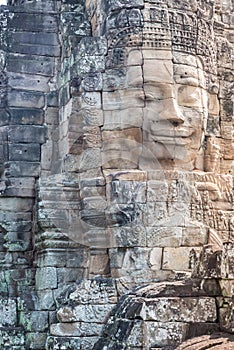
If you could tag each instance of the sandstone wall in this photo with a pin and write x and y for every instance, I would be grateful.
(110, 239)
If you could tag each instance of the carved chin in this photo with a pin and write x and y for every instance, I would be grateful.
(169, 153)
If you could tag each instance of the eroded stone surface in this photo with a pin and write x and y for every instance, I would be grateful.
(116, 169)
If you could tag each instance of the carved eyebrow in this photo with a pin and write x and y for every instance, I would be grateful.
(187, 76)
(185, 73)
(187, 80)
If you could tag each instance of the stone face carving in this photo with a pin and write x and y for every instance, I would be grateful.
(164, 141)
(160, 102)
(116, 161)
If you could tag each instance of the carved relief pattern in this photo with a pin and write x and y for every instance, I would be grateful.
(113, 123)
(146, 139)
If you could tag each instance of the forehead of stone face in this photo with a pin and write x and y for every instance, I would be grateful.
(187, 75)
(158, 69)
(182, 58)
(188, 70)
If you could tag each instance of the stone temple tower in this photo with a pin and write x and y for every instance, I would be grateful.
(116, 174)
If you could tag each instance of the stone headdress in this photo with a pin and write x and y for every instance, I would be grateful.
(185, 27)
(189, 26)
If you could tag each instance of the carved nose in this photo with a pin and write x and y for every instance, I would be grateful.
(172, 112)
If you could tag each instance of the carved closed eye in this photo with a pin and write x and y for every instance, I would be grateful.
(185, 75)
(189, 96)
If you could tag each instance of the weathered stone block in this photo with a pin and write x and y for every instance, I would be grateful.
(15, 205)
(28, 82)
(59, 258)
(38, 38)
(76, 329)
(158, 71)
(99, 265)
(123, 331)
(84, 313)
(42, 50)
(25, 152)
(36, 340)
(101, 291)
(37, 22)
(158, 54)
(123, 99)
(17, 226)
(8, 312)
(28, 99)
(90, 159)
(89, 64)
(155, 258)
(30, 64)
(45, 300)
(36, 321)
(67, 275)
(192, 236)
(52, 116)
(18, 169)
(27, 134)
(29, 116)
(177, 258)
(116, 5)
(128, 118)
(164, 236)
(94, 203)
(123, 192)
(20, 187)
(198, 329)
(157, 191)
(4, 117)
(84, 343)
(94, 191)
(190, 310)
(15, 244)
(125, 236)
(226, 316)
(12, 338)
(46, 278)
(159, 334)
(93, 46)
(52, 99)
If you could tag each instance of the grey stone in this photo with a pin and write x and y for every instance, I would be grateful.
(40, 38)
(194, 310)
(84, 313)
(90, 91)
(30, 64)
(46, 278)
(165, 334)
(18, 169)
(25, 152)
(84, 343)
(8, 310)
(13, 337)
(26, 98)
(36, 340)
(22, 187)
(34, 22)
(14, 205)
(34, 320)
(75, 329)
(28, 82)
(26, 116)
(27, 134)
